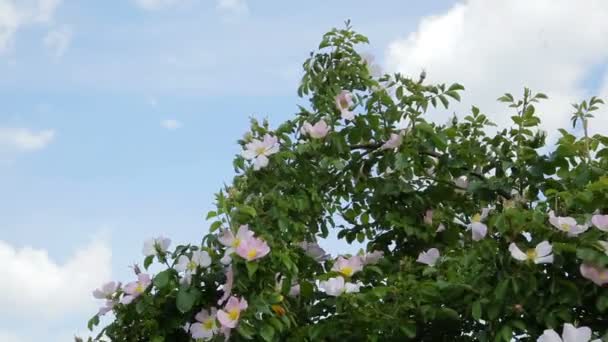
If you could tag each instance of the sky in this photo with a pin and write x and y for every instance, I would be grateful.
(119, 119)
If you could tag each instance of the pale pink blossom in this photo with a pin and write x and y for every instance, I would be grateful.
(569, 334)
(231, 241)
(316, 131)
(337, 286)
(230, 314)
(600, 222)
(198, 259)
(596, 274)
(372, 258)
(227, 287)
(206, 325)
(344, 101)
(313, 250)
(135, 289)
(567, 225)
(429, 257)
(259, 151)
(478, 229)
(107, 307)
(106, 291)
(440, 228)
(156, 246)
(541, 254)
(393, 142)
(348, 267)
(253, 249)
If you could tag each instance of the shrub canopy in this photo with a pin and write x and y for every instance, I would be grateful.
(470, 235)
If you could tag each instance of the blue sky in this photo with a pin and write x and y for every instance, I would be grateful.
(104, 75)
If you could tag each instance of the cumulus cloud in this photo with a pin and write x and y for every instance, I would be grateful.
(15, 14)
(58, 40)
(171, 124)
(34, 283)
(23, 139)
(495, 46)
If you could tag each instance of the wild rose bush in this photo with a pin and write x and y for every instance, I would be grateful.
(469, 235)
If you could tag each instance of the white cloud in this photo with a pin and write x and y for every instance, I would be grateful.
(154, 5)
(15, 14)
(33, 284)
(171, 124)
(233, 6)
(495, 46)
(226, 6)
(23, 139)
(58, 40)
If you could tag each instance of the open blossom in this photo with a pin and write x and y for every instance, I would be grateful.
(344, 101)
(348, 267)
(106, 291)
(231, 241)
(206, 325)
(259, 151)
(156, 246)
(227, 287)
(337, 286)
(478, 228)
(567, 224)
(371, 258)
(429, 257)
(199, 258)
(600, 222)
(230, 314)
(136, 288)
(594, 273)
(313, 250)
(542, 254)
(252, 249)
(107, 307)
(393, 142)
(316, 131)
(569, 334)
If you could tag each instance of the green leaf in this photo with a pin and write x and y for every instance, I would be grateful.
(476, 310)
(211, 214)
(186, 297)
(267, 332)
(148, 261)
(157, 339)
(214, 226)
(162, 279)
(252, 267)
(93, 322)
(408, 329)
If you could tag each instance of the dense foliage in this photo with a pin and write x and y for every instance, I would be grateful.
(470, 235)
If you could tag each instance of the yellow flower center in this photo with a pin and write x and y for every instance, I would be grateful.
(531, 253)
(343, 103)
(476, 218)
(260, 150)
(604, 276)
(140, 288)
(251, 254)
(233, 314)
(209, 324)
(347, 271)
(566, 227)
(236, 242)
(192, 266)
